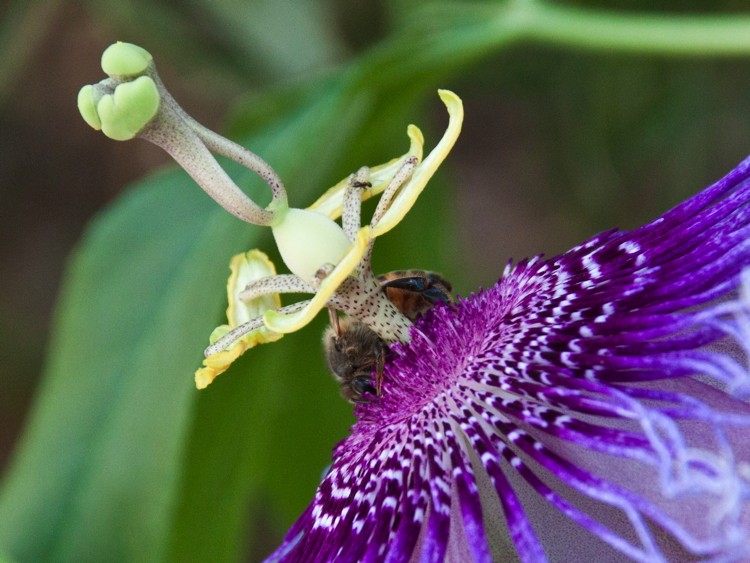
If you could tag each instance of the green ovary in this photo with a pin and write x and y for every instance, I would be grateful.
(307, 240)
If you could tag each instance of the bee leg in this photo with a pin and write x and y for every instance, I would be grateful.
(380, 365)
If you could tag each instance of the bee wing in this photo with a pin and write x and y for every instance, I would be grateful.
(409, 284)
(417, 285)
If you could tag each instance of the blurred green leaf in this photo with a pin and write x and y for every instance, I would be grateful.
(95, 475)
(288, 38)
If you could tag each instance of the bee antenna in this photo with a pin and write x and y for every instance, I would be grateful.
(333, 316)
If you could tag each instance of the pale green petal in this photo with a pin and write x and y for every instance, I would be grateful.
(422, 174)
(218, 332)
(330, 203)
(278, 322)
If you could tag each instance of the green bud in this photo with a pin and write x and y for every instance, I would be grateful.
(87, 107)
(127, 111)
(125, 59)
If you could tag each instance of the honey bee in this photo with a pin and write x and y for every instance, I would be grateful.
(415, 291)
(352, 349)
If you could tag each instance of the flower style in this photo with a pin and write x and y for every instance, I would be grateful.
(608, 383)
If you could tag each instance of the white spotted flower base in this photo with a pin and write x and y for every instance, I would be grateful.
(589, 407)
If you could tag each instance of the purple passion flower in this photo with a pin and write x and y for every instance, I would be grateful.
(589, 407)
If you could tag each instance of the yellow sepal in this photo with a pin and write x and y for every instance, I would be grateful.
(278, 322)
(248, 267)
(245, 267)
(408, 194)
(218, 363)
(331, 203)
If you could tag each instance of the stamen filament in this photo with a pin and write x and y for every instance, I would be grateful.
(352, 205)
(284, 283)
(235, 334)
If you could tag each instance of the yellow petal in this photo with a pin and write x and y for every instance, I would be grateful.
(248, 267)
(205, 376)
(410, 192)
(331, 203)
(245, 267)
(279, 322)
(219, 363)
(224, 358)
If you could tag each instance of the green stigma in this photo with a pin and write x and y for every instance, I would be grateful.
(122, 105)
(127, 111)
(125, 59)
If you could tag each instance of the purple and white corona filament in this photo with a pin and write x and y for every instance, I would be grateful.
(608, 381)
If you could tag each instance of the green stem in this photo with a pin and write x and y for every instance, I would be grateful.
(657, 34)
(440, 39)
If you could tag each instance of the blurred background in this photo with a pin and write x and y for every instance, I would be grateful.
(557, 145)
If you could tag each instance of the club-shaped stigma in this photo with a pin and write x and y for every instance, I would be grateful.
(133, 102)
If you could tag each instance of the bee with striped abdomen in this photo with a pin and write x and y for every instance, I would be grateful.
(352, 349)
